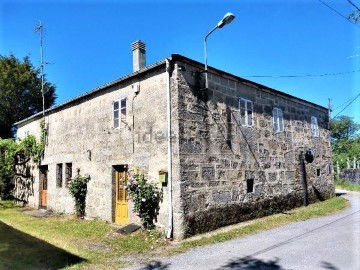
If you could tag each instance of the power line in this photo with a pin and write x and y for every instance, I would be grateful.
(354, 5)
(358, 95)
(338, 13)
(343, 104)
(301, 76)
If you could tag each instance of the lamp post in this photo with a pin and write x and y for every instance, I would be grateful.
(228, 18)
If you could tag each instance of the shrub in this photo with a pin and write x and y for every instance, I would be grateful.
(78, 190)
(146, 197)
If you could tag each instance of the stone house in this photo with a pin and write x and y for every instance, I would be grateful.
(231, 152)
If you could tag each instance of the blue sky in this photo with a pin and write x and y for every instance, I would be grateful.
(88, 43)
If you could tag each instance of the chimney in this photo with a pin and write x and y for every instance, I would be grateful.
(139, 55)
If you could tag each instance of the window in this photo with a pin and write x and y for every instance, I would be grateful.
(116, 114)
(278, 122)
(119, 112)
(314, 127)
(59, 175)
(318, 172)
(246, 112)
(68, 173)
(123, 110)
(250, 185)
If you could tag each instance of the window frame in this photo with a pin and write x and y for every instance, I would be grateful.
(68, 173)
(59, 175)
(314, 126)
(244, 120)
(121, 112)
(278, 120)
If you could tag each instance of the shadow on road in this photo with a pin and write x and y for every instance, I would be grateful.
(249, 263)
(156, 265)
(19, 250)
(327, 265)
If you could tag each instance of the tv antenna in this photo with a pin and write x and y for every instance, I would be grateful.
(39, 29)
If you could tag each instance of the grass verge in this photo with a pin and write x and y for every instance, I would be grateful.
(266, 223)
(67, 242)
(341, 184)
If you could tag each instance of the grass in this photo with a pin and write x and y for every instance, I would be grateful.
(341, 184)
(66, 242)
(266, 223)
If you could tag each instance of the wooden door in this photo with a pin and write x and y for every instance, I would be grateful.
(121, 201)
(43, 185)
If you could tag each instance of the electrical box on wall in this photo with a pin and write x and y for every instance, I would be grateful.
(163, 176)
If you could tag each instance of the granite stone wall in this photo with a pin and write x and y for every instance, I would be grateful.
(351, 175)
(230, 173)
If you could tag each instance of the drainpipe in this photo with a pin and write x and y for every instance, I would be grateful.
(169, 161)
(303, 178)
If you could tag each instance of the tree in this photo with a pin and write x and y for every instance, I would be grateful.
(20, 92)
(345, 139)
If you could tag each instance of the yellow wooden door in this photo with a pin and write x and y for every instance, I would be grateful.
(122, 207)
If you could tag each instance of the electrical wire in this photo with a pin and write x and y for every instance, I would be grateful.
(301, 76)
(343, 104)
(338, 13)
(355, 6)
(358, 95)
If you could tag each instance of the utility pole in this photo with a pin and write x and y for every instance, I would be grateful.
(39, 28)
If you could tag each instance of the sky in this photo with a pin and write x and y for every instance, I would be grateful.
(305, 48)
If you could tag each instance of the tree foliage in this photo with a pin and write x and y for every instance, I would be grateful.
(345, 139)
(20, 92)
(11, 153)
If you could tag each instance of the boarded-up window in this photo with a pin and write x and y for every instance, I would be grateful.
(59, 175)
(278, 122)
(314, 127)
(68, 173)
(246, 112)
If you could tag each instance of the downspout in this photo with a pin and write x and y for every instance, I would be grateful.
(169, 160)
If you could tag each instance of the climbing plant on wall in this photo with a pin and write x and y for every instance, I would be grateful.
(146, 197)
(78, 190)
(13, 153)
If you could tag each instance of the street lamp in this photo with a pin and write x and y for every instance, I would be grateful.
(228, 18)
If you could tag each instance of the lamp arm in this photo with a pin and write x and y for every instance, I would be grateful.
(205, 56)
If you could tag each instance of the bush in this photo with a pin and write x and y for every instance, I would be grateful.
(78, 190)
(146, 197)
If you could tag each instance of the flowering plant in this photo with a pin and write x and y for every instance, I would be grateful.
(146, 197)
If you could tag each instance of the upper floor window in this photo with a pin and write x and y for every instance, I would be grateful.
(278, 122)
(119, 112)
(246, 112)
(314, 127)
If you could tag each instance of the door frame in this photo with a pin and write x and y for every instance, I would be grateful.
(116, 169)
(43, 171)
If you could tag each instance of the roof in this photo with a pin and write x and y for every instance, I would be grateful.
(174, 58)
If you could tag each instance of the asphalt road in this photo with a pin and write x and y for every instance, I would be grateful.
(330, 242)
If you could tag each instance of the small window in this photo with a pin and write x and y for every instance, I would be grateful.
(119, 112)
(318, 172)
(250, 185)
(246, 112)
(123, 110)
(116, 114)
(278, 122)
(68, 173)
(59, 175)
(314, 127)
